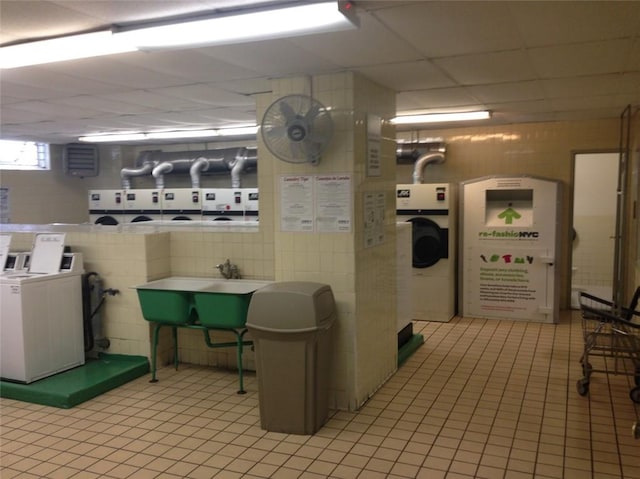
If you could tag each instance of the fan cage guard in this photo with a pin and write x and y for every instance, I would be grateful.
(297, 129)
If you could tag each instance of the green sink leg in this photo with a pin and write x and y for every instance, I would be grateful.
(174, 332)
(154, 351)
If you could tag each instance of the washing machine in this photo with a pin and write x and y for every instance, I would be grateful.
(430, 208)
(181, 204)
(142, 204)
(41, 313)
(251, 206)
(106, 207)
(223, 204)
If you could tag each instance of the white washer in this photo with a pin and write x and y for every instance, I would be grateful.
(223, 204)
(106, 207)
(142, 204)
(181, 204)
(250, 199)
(431, 210)
(41, 314)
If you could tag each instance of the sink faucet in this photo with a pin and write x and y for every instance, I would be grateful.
(228, 270)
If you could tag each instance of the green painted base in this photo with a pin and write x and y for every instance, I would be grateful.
(409, 348)
(70, 388)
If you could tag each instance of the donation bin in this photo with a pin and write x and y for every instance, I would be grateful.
(290, 324)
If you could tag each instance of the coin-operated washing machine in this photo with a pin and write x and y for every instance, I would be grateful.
(106, 207)
(430, 208)
(142, 205)
(182, 204)
(41, 313)
(223, 204)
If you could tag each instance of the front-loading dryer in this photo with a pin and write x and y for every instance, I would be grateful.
(430, 208)
(223, 204)
(142, 204)
(106, 207)
(182, 204)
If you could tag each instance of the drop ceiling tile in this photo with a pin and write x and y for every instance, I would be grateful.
(581, 59)
(585, 103)
(552, 23)
(507, 92)
(271, 58)
(106, 105)
(193, 65)
(49, 110)
(371, 44)
(440, 29)
(407, 75)
(590, 85)
(56, 82)
(114, 71)
(205, 94)
(152, 99)
(498, 67)
(439, 99)
(247, 86)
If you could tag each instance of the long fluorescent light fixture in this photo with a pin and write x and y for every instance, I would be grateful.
(301, 18)
(441, 117)
(166, 135)
(59, 49)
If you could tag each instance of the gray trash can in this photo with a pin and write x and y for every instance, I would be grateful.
(290, 324)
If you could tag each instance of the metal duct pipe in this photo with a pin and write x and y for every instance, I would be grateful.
(422, 162)
(127, 173)
(159, 171)
(239, 164)
(201, 164)
(411, 151)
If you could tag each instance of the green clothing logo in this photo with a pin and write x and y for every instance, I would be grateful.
(509, 215)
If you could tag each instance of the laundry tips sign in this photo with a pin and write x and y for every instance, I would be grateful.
(509, 242)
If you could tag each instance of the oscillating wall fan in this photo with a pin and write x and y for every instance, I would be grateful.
(297, 129)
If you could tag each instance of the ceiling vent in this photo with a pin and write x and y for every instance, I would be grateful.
(80, 160)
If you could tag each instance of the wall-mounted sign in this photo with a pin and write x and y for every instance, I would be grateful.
(374, 134)
(374, 218)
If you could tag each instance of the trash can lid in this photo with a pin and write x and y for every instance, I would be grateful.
(292, 306)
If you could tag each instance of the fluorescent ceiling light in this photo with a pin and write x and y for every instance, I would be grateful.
(441, 117)
(64, 48)
(165, 135)
(300, 19)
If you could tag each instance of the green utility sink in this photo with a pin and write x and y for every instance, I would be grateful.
(225, 303)
(215, 303)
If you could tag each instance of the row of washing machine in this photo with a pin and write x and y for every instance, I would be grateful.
(113, 207)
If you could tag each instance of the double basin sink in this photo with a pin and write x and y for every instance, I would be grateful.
(209, 302)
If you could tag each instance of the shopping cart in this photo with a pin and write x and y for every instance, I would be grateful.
(611, 333)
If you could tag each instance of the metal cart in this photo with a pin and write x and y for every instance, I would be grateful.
(611, 333)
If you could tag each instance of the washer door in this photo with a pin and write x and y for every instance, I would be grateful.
(140, 219)
(430, 242)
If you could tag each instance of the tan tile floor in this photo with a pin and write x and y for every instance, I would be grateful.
(480, 399)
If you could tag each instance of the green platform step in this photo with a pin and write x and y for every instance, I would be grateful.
(70, 388)
(409, 348)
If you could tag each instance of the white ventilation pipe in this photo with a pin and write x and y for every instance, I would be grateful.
(127, 173)
(159, 171)
(197, 167)
(422, 162)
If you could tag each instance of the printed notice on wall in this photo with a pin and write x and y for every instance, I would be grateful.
(296, 203)
(374, 133)
(333, 203)
(4, 205)
(315, 203)
(373, 218)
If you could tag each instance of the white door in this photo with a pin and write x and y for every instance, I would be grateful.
(594, 224)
